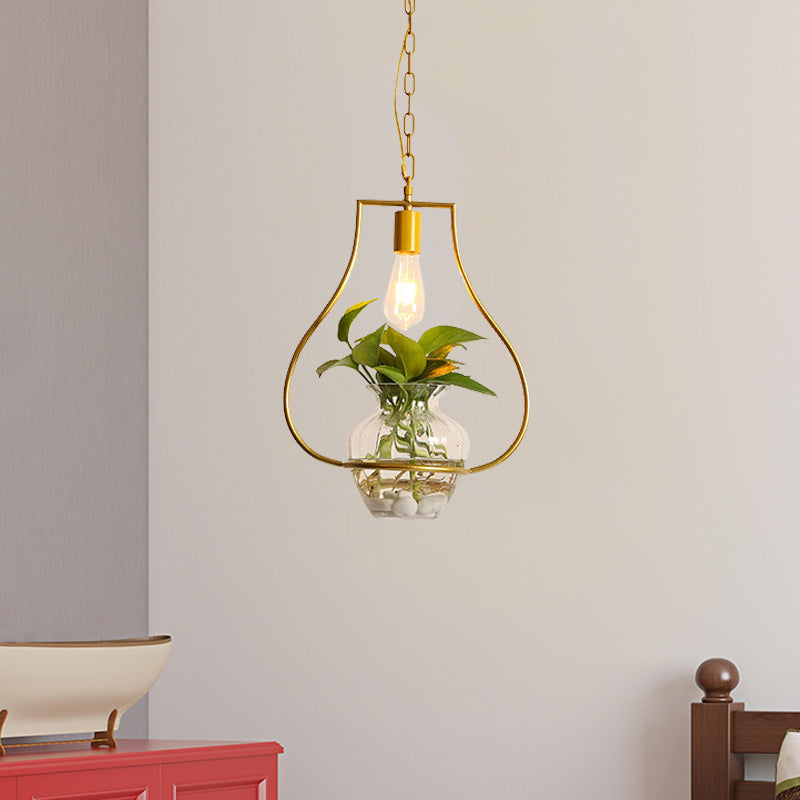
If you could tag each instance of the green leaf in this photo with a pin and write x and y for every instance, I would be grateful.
(457, 379)
(347, 361)
(347, 319)
(366, 351)
(393, 374)
(386, 358)
(411, 355)
(441, 335)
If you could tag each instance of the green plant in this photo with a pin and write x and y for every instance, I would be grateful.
(389, 359)
(405, 374)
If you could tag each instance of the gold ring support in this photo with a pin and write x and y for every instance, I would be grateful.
(395, 464)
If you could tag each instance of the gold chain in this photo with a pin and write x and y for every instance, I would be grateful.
(409, 85)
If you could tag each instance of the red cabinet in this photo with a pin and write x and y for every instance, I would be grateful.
(143, 770)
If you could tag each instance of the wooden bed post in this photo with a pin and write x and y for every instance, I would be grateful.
(715, 768)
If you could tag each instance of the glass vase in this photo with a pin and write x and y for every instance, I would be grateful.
(407, 426)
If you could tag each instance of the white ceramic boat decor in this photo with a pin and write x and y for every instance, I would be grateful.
(53, 689)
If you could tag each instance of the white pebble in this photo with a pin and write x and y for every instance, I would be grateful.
(405, 507)
(390, 495)
(379, 504)
(431, 503)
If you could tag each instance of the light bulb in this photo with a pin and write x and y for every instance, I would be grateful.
(404, 303)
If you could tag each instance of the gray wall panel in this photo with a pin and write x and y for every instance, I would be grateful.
(73, 321)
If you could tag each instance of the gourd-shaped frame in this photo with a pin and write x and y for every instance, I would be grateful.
(396, 464)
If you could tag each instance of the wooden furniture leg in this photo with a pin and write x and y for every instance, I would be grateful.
(106, 738)
(715, 768)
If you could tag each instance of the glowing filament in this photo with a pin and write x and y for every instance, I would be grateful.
(404, 303)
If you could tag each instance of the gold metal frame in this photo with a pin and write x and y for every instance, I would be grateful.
(395, 463)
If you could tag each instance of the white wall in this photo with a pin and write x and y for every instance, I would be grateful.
(627, 176)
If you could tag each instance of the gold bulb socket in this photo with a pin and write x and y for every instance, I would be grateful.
(406, 231)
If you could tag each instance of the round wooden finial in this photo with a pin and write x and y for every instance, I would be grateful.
(717, 677)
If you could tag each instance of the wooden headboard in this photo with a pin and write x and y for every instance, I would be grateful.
(723, 732)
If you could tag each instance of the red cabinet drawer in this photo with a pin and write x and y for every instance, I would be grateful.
(8, 789)
(125, 783)
(252, 778)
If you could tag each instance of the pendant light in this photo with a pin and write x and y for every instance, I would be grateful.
(407, 457)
